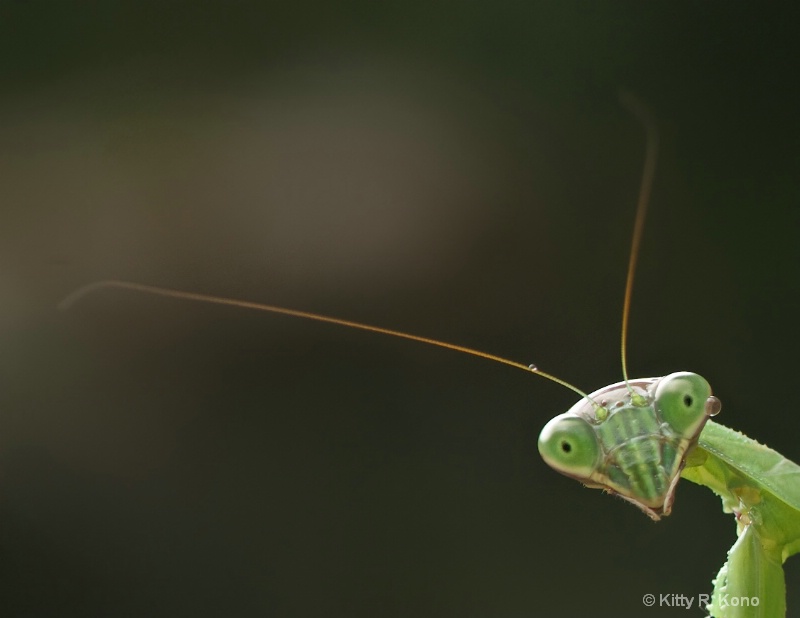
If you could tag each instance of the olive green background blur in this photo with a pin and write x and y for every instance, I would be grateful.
(461, 170)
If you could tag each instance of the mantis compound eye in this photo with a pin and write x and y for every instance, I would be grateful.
(682, 399)
(568, 444)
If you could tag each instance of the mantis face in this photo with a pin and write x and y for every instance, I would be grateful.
(632, 439)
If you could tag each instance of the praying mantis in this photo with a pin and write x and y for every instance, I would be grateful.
(637, 438)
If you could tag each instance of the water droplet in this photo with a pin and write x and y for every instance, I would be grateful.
(533, 367)
(713, 406)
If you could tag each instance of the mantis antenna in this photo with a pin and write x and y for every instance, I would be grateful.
(638, 109)
(628, 100)
(78, 294)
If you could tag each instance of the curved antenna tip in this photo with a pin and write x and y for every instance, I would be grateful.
(74, 296)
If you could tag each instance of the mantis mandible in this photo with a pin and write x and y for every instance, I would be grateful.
(638, 437)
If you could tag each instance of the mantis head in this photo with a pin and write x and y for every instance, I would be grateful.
(632, 438)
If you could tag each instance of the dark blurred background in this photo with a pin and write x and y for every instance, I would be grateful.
(461, 170)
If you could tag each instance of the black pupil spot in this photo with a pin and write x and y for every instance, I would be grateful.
(566, 447)
(687, 401)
